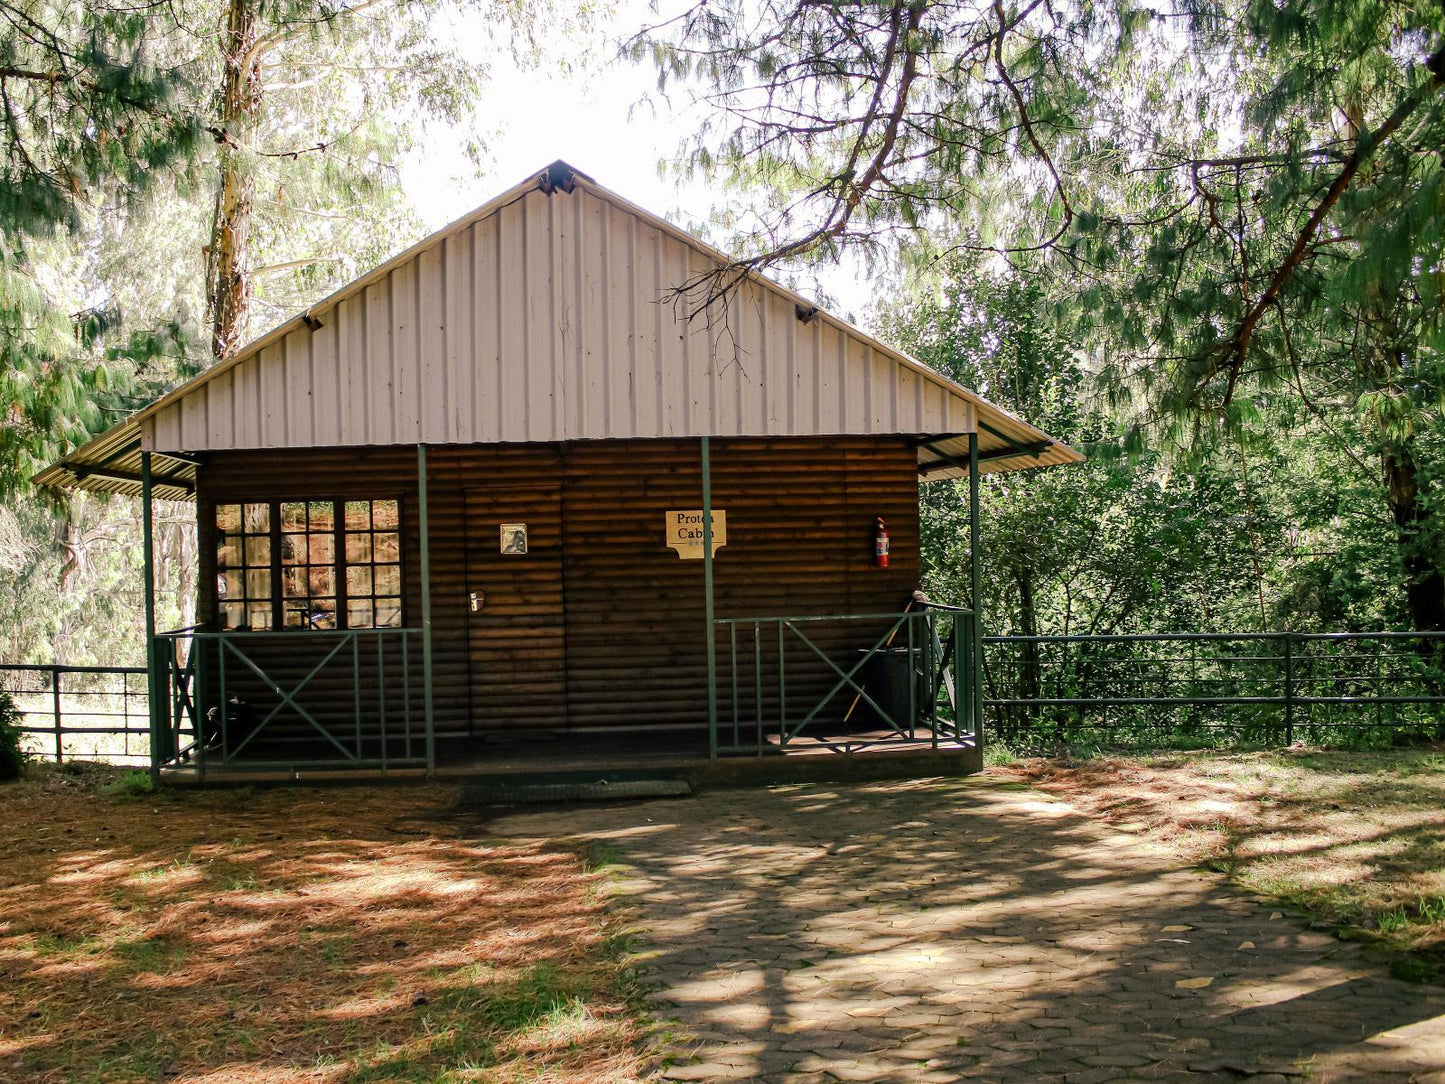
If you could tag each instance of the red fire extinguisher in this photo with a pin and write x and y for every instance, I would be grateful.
(880, 543)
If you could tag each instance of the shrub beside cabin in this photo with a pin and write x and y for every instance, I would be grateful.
(458, 511)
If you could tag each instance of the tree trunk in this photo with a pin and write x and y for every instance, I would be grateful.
(228, 287)
(1029, 687)
(1407, 495)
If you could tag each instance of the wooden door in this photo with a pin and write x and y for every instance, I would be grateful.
(516, 627)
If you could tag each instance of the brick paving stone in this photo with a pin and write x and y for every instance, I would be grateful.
(937, 930)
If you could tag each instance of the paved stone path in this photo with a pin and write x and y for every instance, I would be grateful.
(968, 930)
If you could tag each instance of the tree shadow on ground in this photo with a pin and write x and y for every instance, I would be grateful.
(329, 935)
(943, 930)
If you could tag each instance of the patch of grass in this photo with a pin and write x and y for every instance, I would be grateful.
(528, 1000)
(617, 945)
(466, 1029)
(336, 949)
(161, 873)
(149, 953)
(132, 784)
(441, 1056)
(998, 753)
(62, 946)
(599, 857)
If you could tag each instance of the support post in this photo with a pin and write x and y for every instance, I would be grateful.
(975, 572)
(154, 694)
(55, 711)
(1289, 688)
(708, 598)
(426, 650)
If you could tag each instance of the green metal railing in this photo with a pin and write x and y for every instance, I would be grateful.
(846, 681)
(1269, 688)
(95, 713)
(314, 698)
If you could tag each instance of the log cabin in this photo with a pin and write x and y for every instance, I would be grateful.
(509, 491)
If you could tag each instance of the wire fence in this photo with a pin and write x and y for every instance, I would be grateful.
(1258, 688)
(95, 713)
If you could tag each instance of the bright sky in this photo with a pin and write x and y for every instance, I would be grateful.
(592, 119)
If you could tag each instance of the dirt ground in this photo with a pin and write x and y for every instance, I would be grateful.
(354, 935)
(341, 935)
(1356, 839)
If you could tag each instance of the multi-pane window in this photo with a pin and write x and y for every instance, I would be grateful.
(243, 563)
(309, 564)
(373, 565)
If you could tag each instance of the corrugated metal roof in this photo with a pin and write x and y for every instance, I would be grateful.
(546, 315)
(111, 463)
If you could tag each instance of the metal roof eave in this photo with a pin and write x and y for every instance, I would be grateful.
(111, 464)
(945, 457)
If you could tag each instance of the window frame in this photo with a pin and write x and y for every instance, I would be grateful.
(339, 564)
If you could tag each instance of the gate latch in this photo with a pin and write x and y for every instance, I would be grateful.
(476, 600)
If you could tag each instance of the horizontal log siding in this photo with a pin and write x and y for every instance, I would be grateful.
(800, 541)
(800, 538)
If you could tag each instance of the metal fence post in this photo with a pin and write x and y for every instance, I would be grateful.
(1289, 688)
(55, 707)
(976, 576)
(148, 562)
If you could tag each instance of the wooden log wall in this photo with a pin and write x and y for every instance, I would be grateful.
(800, 516)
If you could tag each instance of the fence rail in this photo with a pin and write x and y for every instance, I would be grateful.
(98, 713)
(1269, 688)
(1265, 688)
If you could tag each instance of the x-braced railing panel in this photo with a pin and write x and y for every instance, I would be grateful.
(903, 677)
(270, 699)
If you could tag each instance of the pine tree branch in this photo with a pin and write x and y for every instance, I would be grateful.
(1028, 127)
(1365, 147)
(851, 187)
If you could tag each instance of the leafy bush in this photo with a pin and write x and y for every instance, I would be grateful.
(12, 758)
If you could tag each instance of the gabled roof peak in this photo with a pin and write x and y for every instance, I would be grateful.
(542, 316)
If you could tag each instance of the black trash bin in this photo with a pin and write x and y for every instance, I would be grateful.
(885, 677)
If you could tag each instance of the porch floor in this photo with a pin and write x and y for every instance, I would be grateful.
(593, 757)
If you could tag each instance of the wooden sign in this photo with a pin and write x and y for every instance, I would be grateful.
(684, 532)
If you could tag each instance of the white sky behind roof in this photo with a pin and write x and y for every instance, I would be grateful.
(590, 117)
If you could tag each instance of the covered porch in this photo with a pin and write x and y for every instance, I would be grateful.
(288, 702)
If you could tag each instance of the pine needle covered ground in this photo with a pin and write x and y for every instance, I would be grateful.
(338, 935)
(1357, 839)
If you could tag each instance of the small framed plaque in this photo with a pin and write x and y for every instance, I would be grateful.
(514, 538)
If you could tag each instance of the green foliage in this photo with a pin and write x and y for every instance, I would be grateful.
(1257, 534)
(88, 112)
(132, 784)
(70, 588)
(1123, 543)
(12, 759)
(1235, 207)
